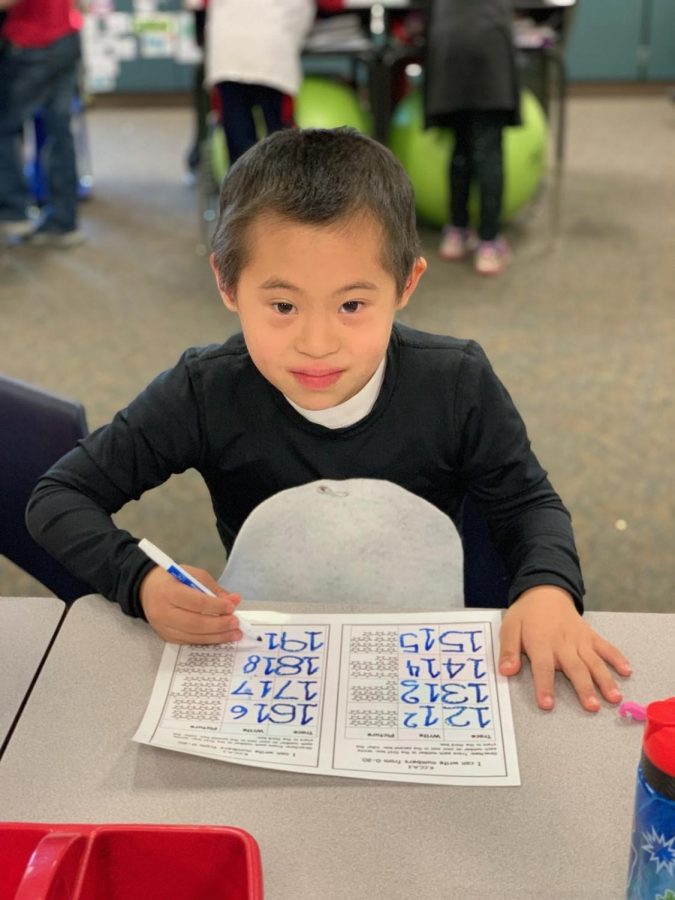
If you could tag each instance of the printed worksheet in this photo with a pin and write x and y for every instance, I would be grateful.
(407, 697)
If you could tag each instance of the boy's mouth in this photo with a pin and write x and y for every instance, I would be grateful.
(316, 378)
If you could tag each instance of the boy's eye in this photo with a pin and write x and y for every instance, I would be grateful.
(352, 306)
(281, 306)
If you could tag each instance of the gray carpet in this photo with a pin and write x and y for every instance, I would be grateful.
(581, 328)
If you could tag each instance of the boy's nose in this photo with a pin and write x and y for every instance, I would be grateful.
(317, 338)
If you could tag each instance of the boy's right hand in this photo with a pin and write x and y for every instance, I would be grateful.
(183, 615)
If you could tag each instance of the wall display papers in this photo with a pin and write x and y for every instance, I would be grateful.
(110, 39)
(156, 35)
(407, 697)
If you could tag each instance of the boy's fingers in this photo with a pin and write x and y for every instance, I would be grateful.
(175, 636)
(612, 655)
(199, 623)
(510, 646)
(194, 601)
(581, 676)
(543, 675)
(182, 627)
(205, 578)
(602, 677)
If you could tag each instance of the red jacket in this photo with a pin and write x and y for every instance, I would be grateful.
(38, 23)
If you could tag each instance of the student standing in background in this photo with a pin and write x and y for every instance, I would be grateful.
(253, 58)
(200, 98)
(472, 87)
(39, 60)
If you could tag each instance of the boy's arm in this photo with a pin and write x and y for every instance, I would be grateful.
(532, 530)
(70, 515)
(528, 522)
(70, 512)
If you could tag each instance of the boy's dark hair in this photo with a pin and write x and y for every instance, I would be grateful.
(317, 177)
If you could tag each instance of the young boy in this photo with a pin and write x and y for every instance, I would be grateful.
(315, 251)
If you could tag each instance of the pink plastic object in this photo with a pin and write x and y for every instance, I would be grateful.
(128, 862)
(639, 713)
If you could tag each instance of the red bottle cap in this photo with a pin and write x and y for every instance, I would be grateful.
(658, 742)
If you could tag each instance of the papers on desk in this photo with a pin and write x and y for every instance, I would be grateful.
(409, 697)
(342, 33)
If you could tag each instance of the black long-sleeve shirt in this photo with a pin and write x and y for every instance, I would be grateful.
(443, 425)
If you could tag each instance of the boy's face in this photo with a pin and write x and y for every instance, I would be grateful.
(316, 306)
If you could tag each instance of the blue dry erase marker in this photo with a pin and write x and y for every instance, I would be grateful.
(165, 562)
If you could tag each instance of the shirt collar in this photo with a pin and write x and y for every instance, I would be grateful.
(351, 411)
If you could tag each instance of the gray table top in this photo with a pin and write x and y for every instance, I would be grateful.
(564, 833)
(27, 625)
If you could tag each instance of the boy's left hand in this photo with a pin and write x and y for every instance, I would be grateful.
(544, 624)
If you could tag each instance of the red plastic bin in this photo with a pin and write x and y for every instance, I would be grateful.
(128, 862)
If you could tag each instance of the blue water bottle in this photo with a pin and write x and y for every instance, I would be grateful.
(651, 872)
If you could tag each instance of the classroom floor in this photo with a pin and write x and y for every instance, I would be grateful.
(581, 328)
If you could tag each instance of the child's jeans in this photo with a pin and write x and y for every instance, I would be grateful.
(30, 79)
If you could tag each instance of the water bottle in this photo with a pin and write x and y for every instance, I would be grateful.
(651, 872)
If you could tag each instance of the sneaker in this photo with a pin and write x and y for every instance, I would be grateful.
(14, 229)
(492, 257)
(456, 243)
(44, 237)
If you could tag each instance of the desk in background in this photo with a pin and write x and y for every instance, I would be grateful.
(564, 833)
(391, 47)
(27, 625)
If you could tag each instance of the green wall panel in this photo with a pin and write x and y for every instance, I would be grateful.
(604, 40)
(661, 61)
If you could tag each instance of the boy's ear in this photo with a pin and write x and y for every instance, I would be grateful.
(418, 269)
(226, 294)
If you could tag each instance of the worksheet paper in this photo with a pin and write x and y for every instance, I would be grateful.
(408, 697)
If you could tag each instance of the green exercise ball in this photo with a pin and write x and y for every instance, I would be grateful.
(220, 160)
(321, 103)
(425, 154)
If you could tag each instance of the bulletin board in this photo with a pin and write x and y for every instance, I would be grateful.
(139, 45)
